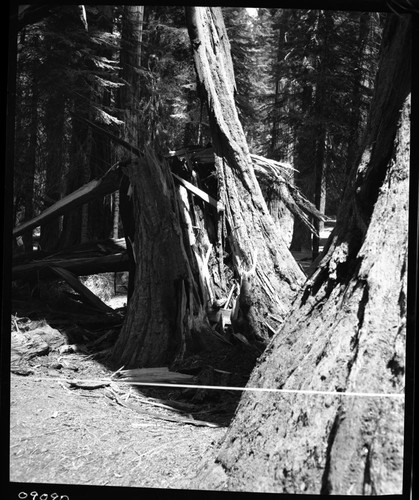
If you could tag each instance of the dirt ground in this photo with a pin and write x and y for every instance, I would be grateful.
(64, 436)
(108, 433)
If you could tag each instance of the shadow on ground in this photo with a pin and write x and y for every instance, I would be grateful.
(94, 333)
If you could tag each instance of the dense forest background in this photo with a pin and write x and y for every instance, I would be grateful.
(304, 82)
(303, 109)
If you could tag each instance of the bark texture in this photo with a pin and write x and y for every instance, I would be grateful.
(148, 336)
(346, 334)
(244, 218)
(165, 317)
(128, 102)
(130, 61)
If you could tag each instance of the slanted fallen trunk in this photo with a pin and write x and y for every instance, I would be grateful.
(82, 260)
(86, 295)
(96, 188)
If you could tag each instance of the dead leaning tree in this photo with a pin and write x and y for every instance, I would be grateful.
(116, 255)
(346, 333)
(176, 277)
(168, 308)
(269, 276)
(173, 280)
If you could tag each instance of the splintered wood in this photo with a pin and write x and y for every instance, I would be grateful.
(156, 375)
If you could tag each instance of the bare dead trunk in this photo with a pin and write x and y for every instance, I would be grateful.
(345, 339)
(319, 186)
(93, 189)
(325, 20)
(267, 270)
(82, 260)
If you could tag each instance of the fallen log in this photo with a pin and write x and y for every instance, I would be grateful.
(157, 375)
(65, 312)
(86, 385)
(170, 418)
(100, 130)
(93, 189)
(85, 294)
(95, 248)
(80, 266)
(94, 320)
(198, 192)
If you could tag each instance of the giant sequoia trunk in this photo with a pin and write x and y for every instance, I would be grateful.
(339, 360)
(165, 319)
(268, 273)
(172, 285)
(304, 176)
(151, 332)
(356, 123)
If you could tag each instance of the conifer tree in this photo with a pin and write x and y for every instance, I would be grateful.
(320, 102)
(335, 425)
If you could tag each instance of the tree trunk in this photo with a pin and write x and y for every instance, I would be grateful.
(75, 223)
(277, 147)
(30, 167)
(130, 62)
(99, 210)
(324, 30)
(54, 131)
(268, 273)
(304, 178)
(165, 297)
(319, 185)
(128, 102)
(20, 137)
(346, 335)
(115, 215)
(356, 118)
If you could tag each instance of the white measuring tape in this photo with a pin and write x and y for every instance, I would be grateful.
(232, 388)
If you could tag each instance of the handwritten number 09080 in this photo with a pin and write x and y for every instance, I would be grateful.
(44, 496)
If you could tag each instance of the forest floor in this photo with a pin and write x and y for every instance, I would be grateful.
(108, 432)
(73, 436)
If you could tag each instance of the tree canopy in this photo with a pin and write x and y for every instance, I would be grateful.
(218, 142)
(279, 80)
